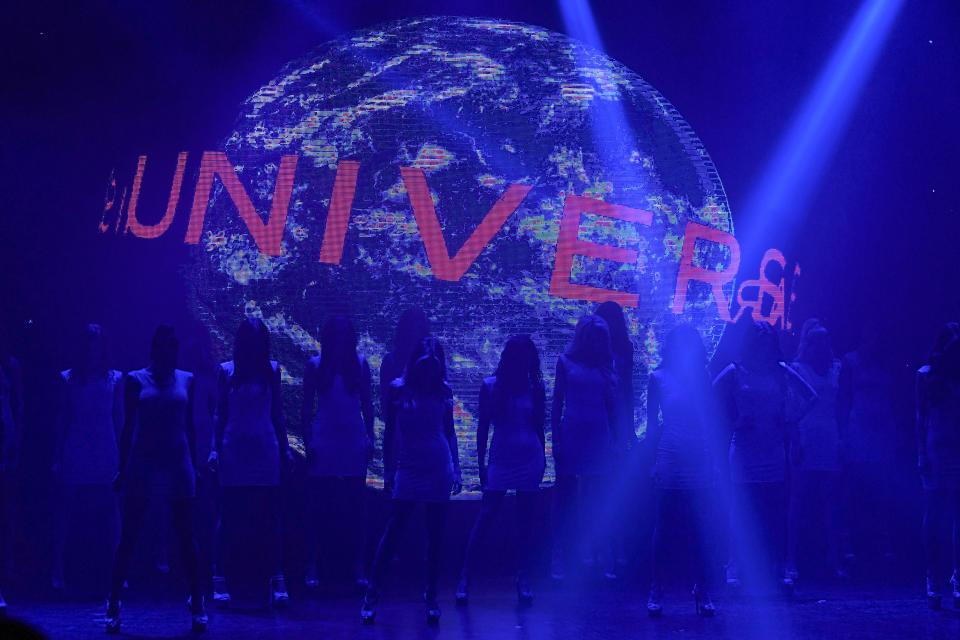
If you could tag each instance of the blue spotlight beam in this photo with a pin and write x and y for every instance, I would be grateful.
(781, 194)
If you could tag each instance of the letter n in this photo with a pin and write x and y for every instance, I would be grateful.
(267, 236)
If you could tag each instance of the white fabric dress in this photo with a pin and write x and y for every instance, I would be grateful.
(90, 454)
(338, 439)
(250, 454)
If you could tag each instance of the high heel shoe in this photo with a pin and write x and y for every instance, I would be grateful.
(524, 593)
(278, 592)
(221, 597)
(433, 609)
(655, 601)
(112, 617)
(701, 599)
(368, 610)
(462, 595)
(198, 615)
(955, 587)
(934, 597)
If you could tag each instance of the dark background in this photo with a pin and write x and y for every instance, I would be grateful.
(89, 86)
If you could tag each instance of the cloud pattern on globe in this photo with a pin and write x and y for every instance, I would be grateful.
(477, 105)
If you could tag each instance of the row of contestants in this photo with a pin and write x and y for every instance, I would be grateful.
(421, 447)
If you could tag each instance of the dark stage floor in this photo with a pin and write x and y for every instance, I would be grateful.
(559, 612)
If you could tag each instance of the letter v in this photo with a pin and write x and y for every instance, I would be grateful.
(444, 267)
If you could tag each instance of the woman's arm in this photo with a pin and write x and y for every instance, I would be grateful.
(276, 414)
(923, 416)
(366, 404)
(223, 409)
(654, 426)
(131, 396)
(451, 434)
(62, 422)
(483, 431)
(306, 406)
(556, 412)
(844, 398)
(188, 422)
(724, 386)
(117, 411)
(389, 434)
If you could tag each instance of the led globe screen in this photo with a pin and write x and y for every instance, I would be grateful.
(503, 178)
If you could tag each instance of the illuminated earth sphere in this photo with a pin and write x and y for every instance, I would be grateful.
(476, 105)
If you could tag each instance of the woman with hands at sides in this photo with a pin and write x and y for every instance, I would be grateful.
(250, 452)
(337, 419)
(761, 398)
(938, 446)
(89, 421)
(421, 465)
(684, 440)
(583, 426)
(157, 448)
(513, 401)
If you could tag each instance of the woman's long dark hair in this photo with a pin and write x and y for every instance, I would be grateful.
(251, 355)
(517, 373)
(612, 314)
(426, 370)
(338, 355)
(683, 352)
(163, 334)
(412, 327)
(591, 344)
(813, 336)
(760, 342)
(944, 362)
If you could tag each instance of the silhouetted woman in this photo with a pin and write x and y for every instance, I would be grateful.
(868, 445)
(156, 453)
(681, 430)
(761, 397)
(938, 445)
(815, 472)
(412, 327)
(625, 432)
(422, 466)
(11, 433)
(89, 421)
(513, 400)
(582, 421)
(337, 427)
(250, 447)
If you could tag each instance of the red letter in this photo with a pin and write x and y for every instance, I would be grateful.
(569, 245)
(716, 279)
(155, 230)
(267, 236)
(444, 267)
(335, 231)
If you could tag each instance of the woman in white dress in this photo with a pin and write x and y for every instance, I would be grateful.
(89, 420)
(157, 449)
(682, 436)
(762, 398)
(583, 421)
(815, 470)
(938, 447)
(337, 427)
(250, 448)
(422, 466)
(513, 400)
(11, 433)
